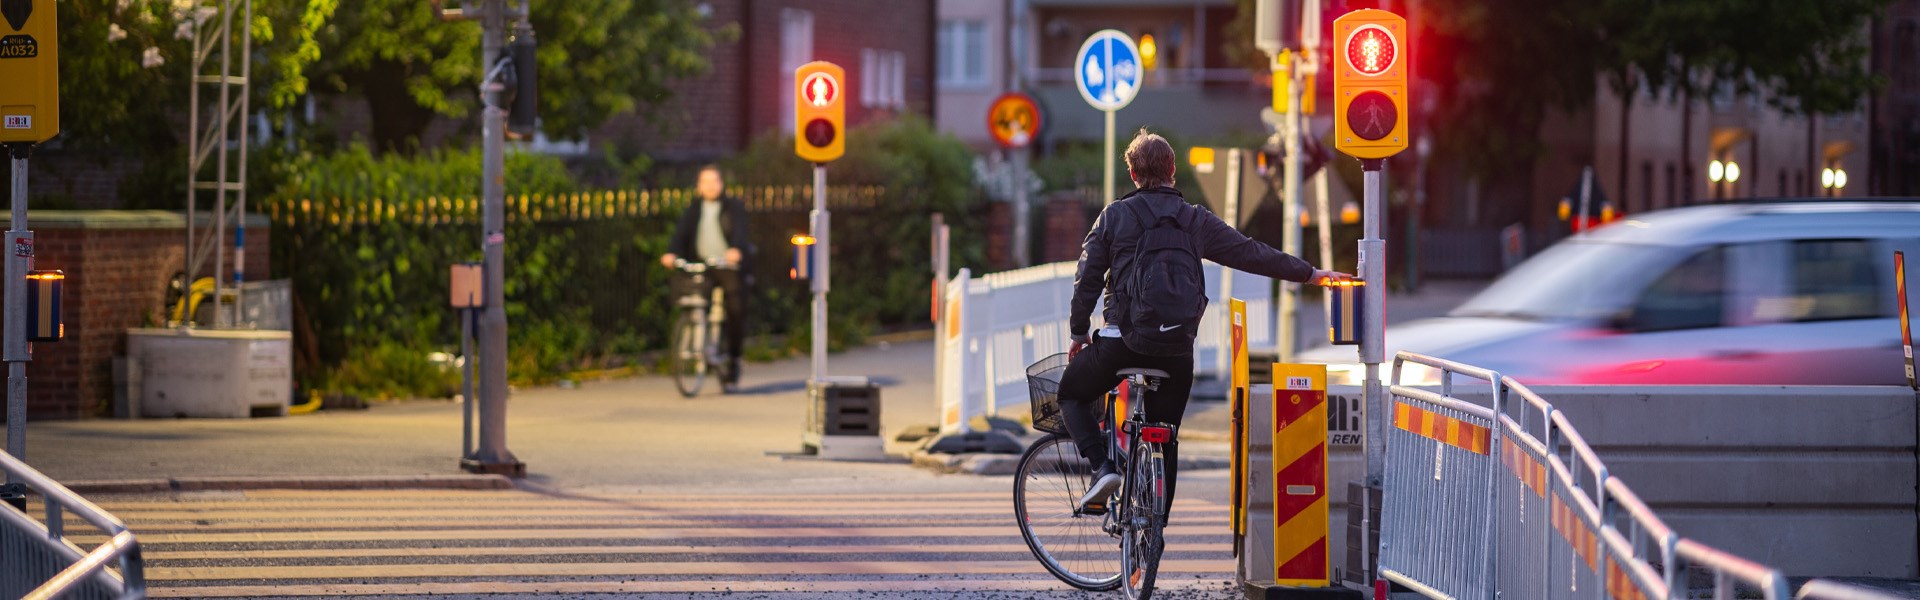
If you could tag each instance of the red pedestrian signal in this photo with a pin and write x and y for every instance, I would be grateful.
(1370, 84)
(820, 111)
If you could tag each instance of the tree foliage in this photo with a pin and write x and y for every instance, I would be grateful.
(597, 58)
(125, 64)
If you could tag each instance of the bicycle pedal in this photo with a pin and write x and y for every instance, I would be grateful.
(1094, 509)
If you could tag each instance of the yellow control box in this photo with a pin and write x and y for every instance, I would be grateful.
(29, 71)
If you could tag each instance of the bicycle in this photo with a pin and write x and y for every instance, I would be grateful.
(697, 331)
(1052, 477)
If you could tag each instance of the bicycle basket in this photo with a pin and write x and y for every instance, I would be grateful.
(691, 290)
(1043, 384)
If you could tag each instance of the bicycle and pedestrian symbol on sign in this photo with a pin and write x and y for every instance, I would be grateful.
(1107, 70)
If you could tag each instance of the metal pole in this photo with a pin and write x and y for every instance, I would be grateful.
(1324, 222)
(246, 136)
(466, 376)
(492, 455)
(1289, 342)
(1022, 211)
(1373, 269)
(220, 320)
(16, 349)
(1106, 183)
(1234, 165)
(821, 226)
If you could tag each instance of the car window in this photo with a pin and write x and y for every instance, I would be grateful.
(1691, 295)
(1572, 280)
(1829, 280)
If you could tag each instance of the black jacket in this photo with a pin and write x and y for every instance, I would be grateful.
(1107, 256)
(733, 225)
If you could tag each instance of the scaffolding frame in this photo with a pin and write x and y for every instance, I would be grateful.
(223, 141)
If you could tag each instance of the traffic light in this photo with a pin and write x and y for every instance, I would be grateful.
(819, 111)
(523, 110)
(1370, 83)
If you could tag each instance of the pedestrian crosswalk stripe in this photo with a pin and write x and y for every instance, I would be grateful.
(329, 543)
(867, 567)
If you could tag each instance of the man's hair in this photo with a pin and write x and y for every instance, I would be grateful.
(1150, 159)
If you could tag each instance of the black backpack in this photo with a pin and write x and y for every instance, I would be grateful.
(1166, 289)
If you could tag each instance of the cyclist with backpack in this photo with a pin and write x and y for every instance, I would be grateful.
(1144, 254)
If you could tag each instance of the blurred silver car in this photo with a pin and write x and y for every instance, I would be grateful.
(1764, 293)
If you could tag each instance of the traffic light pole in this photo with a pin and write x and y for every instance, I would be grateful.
(822, 240)
(492, 456)
(16, 349)
(1373, 332)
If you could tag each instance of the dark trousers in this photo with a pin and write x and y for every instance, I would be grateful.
(1093, 372)
(735, 328)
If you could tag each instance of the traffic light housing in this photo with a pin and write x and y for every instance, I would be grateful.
(819, 111)
(523, 112)
(1370, 83)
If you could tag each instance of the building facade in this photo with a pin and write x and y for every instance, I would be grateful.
(988, 47)
(886, 47)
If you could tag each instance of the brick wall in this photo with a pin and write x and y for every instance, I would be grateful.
(117, 273)
(1066, 227)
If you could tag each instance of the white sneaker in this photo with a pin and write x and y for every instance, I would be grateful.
(1102, 489)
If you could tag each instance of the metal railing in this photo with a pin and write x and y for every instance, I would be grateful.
(1557, 525)
(37, 561)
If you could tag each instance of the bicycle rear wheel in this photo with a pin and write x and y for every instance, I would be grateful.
(1073, 546)
(687, 358)
(1146, 508)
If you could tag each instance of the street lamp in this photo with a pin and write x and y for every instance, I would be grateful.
(1826, 178)
(1839, 180)
(1149, 52)
(1716, 171)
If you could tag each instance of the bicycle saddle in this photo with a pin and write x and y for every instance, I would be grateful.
(1150, 373)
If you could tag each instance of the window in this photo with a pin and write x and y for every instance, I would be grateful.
(882, 78)
(1828, 280)
(1646, 186)
(796, 49)
(962, 47)
(1691, 296)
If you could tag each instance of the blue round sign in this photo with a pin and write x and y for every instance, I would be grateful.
(1107, 70)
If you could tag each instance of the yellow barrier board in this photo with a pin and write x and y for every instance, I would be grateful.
(1300, 475)
(1237, 336)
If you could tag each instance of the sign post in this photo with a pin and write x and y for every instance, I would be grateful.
(1014, 120)
(1107, 72)
(29, 115)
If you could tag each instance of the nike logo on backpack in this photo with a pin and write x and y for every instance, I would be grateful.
(1164, 328)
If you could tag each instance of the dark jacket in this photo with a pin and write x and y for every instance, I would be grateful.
(1107, 256)
(733, 225)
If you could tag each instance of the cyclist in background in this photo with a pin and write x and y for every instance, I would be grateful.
(1107, 260)
(715, 232)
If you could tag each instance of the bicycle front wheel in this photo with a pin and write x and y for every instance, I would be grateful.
(1073, 546)
(688, 355)
(1146, 513)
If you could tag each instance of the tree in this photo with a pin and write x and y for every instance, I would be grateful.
(1499, 65)
(124, 66)
(597, 58)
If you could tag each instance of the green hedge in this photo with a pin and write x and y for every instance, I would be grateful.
(368, 241)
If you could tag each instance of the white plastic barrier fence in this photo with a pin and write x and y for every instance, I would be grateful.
(997, 324)
(1511, 502)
